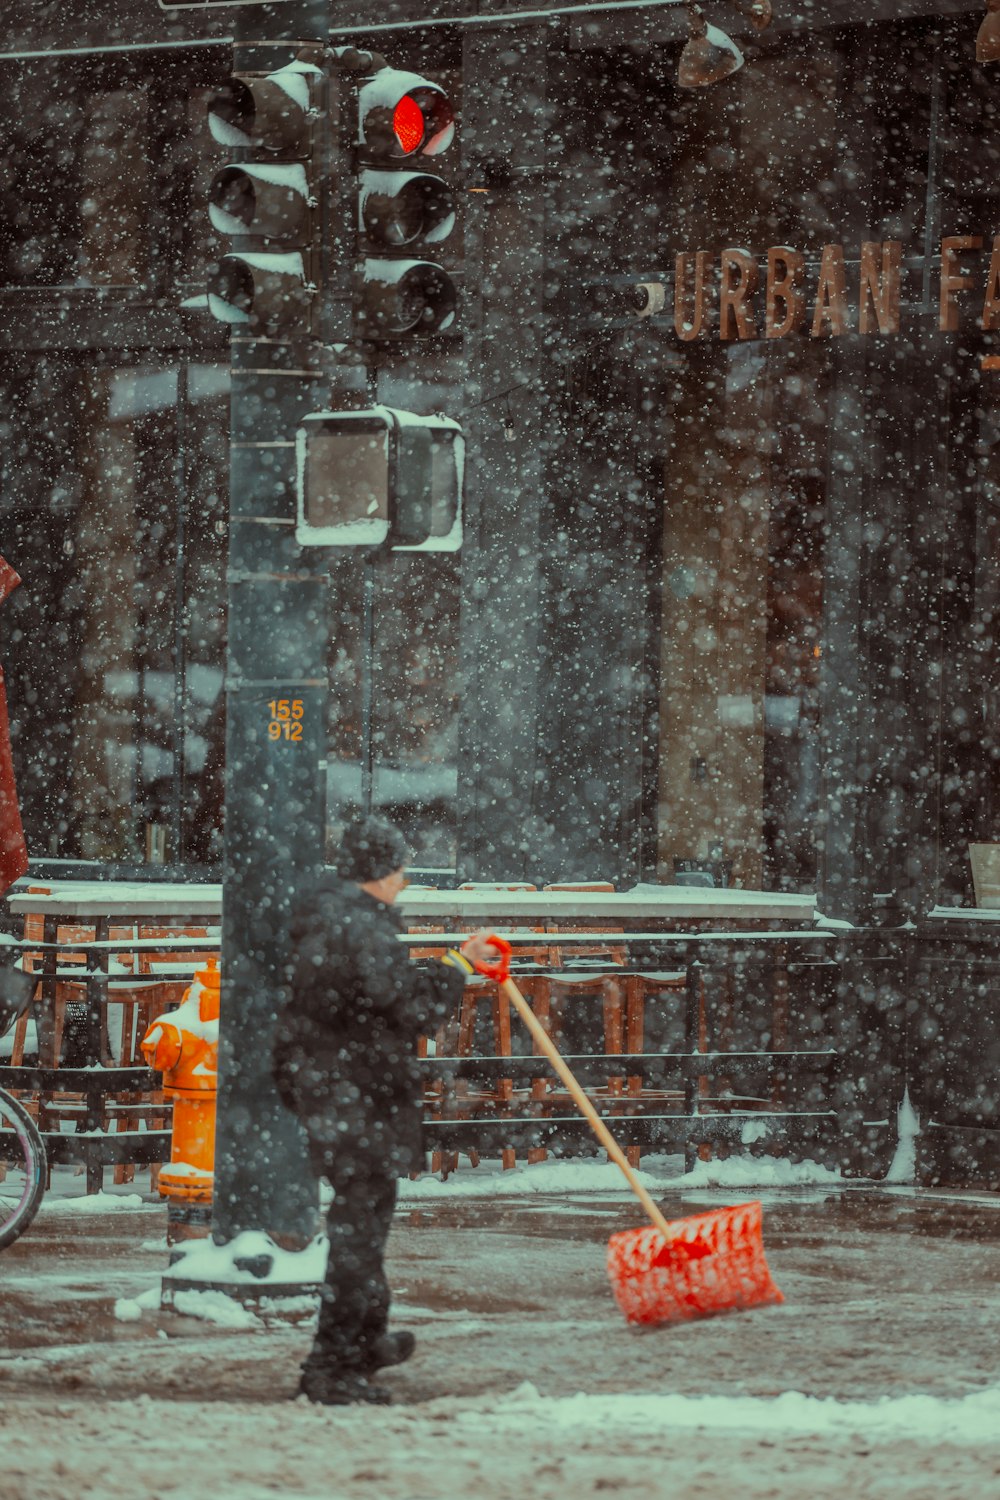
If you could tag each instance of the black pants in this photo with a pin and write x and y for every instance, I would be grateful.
(354, 1306)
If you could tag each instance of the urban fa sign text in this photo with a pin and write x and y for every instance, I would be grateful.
(781, 297)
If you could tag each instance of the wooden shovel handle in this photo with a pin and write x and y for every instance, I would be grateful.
(607, 1140)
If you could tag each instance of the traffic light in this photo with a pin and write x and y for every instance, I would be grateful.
(379, 477)
(405, 208)
(267, 199)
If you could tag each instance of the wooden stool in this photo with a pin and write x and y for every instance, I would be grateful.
(497, 1100)
(639, 989)
(457, 1038)
(550, 995)
(608, 951)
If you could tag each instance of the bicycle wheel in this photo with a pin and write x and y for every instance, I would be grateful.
(22, 1169)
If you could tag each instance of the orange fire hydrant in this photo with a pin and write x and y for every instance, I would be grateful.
(183, 1045)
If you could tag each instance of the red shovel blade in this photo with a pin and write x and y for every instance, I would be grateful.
(711, 1263)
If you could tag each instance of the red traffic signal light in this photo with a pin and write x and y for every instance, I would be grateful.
(409, 124)
(403, 115)
(403, 118)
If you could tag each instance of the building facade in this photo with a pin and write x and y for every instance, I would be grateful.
(727, 599)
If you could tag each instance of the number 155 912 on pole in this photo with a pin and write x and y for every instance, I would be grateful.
(286, 719)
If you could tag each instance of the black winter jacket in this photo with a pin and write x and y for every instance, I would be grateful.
(345, 1046)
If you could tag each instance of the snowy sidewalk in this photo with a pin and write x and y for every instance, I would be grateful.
(877, 1376)
(449, 1450)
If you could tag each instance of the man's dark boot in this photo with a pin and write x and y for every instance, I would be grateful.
(324, 1388)
(391, 1349)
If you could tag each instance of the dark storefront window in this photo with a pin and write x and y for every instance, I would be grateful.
(113, 467)
(74, 185)
(409, 677)
(744, 530)
(112, 509)
(966, 617)
(105, 171)
(812, 150)
(968, 724)
(746, 474)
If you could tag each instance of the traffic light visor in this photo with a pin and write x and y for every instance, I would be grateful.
(401, 208)
(271, 200)
(262, 289)
(267, 114)
(402, 297)
(427, 514)
(230, 291)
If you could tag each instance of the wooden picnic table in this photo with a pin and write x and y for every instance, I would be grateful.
(169, 902)
(103, 905)
(664, 905)
(114, 901)
(658, 926)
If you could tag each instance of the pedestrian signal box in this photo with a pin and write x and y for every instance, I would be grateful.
(379, 477)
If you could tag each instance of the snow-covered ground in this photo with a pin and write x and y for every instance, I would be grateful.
(589, 1175)
(877, 1377)
(658, 1173)
(515, 1446)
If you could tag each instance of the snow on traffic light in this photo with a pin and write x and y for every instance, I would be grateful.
(266, 200)
(377, 477)
(405, 208)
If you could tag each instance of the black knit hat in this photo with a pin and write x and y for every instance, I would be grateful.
(370, 849)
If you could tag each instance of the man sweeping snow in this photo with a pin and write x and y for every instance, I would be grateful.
(345, 1063)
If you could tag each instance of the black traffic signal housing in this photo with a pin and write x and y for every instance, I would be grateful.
(406, 209)
(268, 199)
(379, 478)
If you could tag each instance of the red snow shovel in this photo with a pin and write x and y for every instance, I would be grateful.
(688, 1268)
